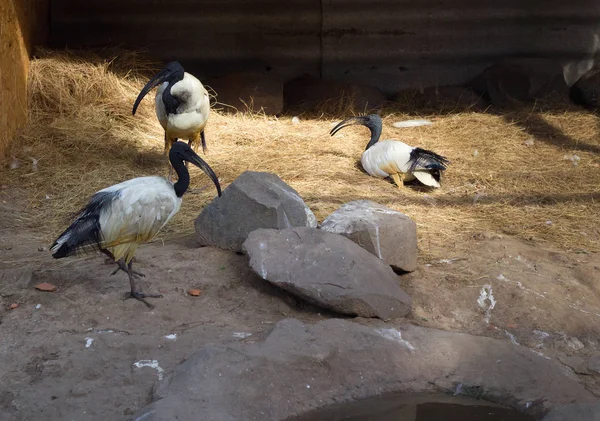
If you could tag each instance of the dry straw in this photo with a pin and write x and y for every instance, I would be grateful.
(512, 172)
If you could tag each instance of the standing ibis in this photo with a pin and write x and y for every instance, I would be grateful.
(392, 158)
(119, 218)
(182, 106)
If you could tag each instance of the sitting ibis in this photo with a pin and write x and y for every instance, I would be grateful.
(119, 218)
(396, 159)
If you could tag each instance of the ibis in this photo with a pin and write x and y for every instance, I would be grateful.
(395, 159)
(119, 218)
(182, 106)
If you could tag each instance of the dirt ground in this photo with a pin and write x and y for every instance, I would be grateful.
(72, 354)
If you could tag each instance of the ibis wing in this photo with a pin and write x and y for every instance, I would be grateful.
(138, 216)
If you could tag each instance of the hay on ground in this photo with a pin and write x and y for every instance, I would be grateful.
(84, 138)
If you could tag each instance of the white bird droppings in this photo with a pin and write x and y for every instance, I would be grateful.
(396, 336)
(241, 335)
(88, 342)
(529, 142)
(512, 337)
(38, 306)
(412, 123)
(14, 164)
(486, 294)
(171, 337)
(152, 364)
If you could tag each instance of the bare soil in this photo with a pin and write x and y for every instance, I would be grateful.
(71, 354)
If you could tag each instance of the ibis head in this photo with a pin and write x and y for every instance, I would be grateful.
(172, 73)
(372, 121)
(181, 152)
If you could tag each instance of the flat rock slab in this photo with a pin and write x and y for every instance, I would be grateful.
(384, 232)
(301, 367)
(254, 200)
(327, 270)
(577, 412)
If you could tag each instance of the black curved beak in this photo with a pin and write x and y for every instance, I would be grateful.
(162, 76)
(363, 120)
(199, 162)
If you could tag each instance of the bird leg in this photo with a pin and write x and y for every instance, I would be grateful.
(398, 179)
(135, 293)
(204, 148)
(112, 258)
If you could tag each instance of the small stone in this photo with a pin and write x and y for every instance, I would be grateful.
(512, 325)
(13, 306)
(295, 120)
(45, 286)
(575, 344)
(194, 292)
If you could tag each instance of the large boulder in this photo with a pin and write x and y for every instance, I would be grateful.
(307, 92)
(301, 367)
(384, 232)
(520, 79)
(249, 92)
(327, 270)
(254, 200)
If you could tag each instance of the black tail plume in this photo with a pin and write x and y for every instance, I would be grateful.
(424, 159)
(85, 230)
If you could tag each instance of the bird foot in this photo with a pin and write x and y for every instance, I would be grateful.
(140, 297)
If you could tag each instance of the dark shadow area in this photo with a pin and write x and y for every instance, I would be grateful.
(541, 130)
(434, 407)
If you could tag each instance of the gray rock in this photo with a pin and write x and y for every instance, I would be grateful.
(249, 92)
(521, 79)
(327, 270)
(301, 367)
(384, 232)
(577, 412)
(254, 200)
(594, 363)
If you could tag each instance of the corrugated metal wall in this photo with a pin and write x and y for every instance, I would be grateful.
(389, 43)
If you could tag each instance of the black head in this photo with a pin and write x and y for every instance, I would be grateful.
(171, 73)
(180, 152)
(372, 121)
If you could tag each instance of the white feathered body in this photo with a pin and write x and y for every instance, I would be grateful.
(128, 214)
(192, 113)
(389, 157)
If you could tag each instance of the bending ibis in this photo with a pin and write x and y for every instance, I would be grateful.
(392, 158)
(182, 106)
(119, 218)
